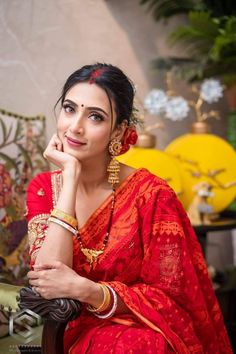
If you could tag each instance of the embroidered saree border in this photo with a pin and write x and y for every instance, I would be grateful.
(38, 225)
(56, 183)
(37, 228)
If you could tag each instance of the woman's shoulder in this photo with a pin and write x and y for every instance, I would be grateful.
(149, 181)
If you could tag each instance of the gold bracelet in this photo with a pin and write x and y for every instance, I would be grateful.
(64, 217)
(106, 301)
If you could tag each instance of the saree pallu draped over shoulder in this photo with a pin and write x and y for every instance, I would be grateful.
(154, 263)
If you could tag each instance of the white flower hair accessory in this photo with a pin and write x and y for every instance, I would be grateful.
(211, 90)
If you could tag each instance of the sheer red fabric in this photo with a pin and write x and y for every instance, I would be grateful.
(153, 261)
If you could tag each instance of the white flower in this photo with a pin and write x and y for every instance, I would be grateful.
(177, 108)
(155, 101)
(211, 90)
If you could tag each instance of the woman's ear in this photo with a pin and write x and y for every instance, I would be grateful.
(119, 130)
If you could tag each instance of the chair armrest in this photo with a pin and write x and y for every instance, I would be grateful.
(8, 305)
(61, 310)
(56, 314)
(9, 295)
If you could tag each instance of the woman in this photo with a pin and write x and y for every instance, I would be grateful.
(115, 238)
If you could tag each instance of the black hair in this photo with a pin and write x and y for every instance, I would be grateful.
(112, 80)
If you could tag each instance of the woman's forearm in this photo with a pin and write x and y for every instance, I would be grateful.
(58, 243)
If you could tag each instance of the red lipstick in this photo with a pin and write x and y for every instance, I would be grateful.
(74, 142)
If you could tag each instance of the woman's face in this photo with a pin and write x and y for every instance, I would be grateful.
(85, 122)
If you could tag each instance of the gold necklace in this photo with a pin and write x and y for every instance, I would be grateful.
(90, 253)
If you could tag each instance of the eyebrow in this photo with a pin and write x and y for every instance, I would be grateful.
(88, 108)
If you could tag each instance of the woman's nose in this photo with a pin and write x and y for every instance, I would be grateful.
(77, 126)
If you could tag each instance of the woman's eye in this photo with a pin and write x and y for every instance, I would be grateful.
(96, 117)
(68, 109)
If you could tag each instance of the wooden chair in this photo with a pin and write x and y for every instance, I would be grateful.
(55, 314)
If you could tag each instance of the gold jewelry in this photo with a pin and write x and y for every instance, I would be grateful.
(63, 224)
(90, 253)
(113, 309)
(59, 214)
(105, 303)
(113, 168)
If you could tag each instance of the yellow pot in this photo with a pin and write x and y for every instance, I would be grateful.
(157, 162)
(205, 157)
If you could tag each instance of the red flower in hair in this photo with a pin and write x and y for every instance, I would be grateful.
(129, 138)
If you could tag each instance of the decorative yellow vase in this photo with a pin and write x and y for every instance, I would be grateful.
(204, 157)
(156, 161)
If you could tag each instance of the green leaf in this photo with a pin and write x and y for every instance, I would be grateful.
(18, 130)
(230, 26)
(203, 23)
(171, 62)
(26, 155)
(168, 8)
(9, 132)
(4, 130)
(11, 211)
(198, 37)
(10, 162)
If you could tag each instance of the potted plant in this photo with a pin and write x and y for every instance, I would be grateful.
(209, 40)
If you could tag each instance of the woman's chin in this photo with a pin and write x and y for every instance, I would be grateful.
(75, 154)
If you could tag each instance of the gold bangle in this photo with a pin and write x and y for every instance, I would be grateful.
(106, 301)
(63, 224)
(64, 217)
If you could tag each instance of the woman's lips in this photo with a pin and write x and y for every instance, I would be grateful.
(74, 142)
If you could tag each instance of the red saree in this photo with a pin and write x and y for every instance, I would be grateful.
(153, 261)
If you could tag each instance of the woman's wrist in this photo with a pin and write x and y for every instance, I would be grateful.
(71, 174)
(95, 295)
(92, 293)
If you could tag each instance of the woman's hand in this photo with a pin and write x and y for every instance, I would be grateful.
(55, 154)
(56, 280)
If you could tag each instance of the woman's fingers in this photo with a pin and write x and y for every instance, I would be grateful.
(54, 144)
(34, 282)
(55, 154)
(32, 275)
(58, 143)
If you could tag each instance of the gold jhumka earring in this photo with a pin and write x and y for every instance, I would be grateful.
(113, 168)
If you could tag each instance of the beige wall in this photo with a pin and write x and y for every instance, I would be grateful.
(43, 41)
